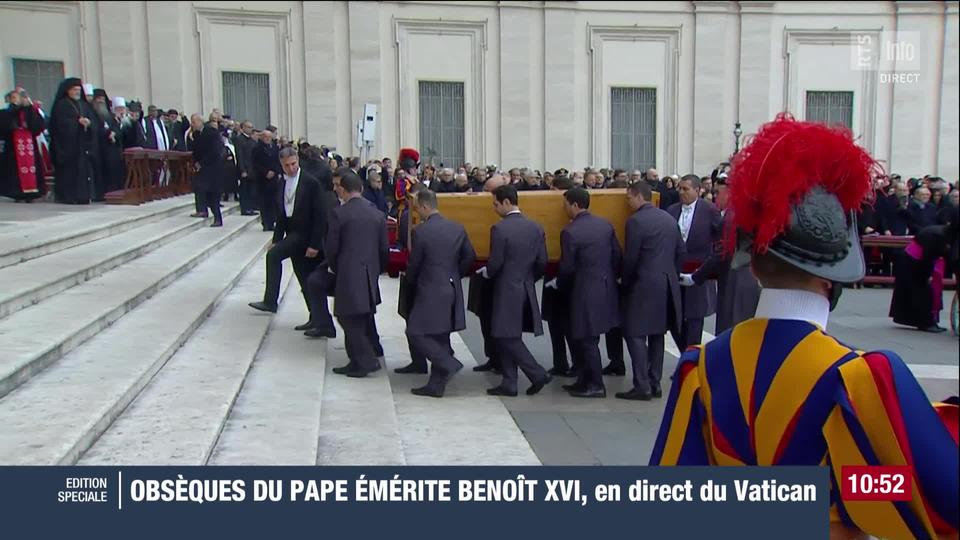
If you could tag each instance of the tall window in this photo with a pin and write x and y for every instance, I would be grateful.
(40, 78)
(246, 96)
(633, 121)
(441, 123)
(830, 108)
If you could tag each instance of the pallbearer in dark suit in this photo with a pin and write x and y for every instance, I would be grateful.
(441, 254)
(299, 231)
(518, 258)
(321, 280)
(652, 258)
(357, 253)
(738, 291)
(589, 264)
(700, 227)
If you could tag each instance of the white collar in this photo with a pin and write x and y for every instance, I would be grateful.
(293, 179)
(795, 305)
(692, 206)
(517, 211)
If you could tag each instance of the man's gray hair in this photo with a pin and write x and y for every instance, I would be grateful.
(288, 151)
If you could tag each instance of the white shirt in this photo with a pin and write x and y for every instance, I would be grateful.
(290, 184)
(513, 212)
(794, 305)
(686, 219)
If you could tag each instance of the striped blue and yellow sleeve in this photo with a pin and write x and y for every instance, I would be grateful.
(881, 416)
(682, 439)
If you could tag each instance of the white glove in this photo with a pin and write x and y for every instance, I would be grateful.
(552, 284)
(686, 280)
(482, 272)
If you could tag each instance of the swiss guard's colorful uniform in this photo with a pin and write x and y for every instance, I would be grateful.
(777, 389)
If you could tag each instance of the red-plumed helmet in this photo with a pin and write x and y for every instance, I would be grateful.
(794, 189)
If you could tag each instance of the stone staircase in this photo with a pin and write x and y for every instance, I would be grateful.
(127, 339)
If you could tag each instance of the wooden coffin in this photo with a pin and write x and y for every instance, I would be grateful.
(475, 212)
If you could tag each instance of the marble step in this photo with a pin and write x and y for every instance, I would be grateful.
(57, 415)
(25, 284)
(177, 418)
(275, 418)
(28, 241)
(38, 336)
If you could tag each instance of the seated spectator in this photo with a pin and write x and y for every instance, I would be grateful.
(444, 184)
(461, 182)
(531, 182)
(636, 175)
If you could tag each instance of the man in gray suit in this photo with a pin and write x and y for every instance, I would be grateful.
(700, 227)
(357, 254)
(589, 264)
(653, 254)
(738, 290)
(441, 255)
(518, 258)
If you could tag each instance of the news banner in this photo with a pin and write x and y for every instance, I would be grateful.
(465, 502)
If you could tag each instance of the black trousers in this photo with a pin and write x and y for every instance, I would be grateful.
(646, 355)
(691, 333)
(357, 342)
(614, 340)
(249, 196)
(208, 200)
(589, 351)
(318, 283)
(490, 349)
(293, 249)
(268, 210)
(418, 358)
(436, 348)
(374, 335)
(560, 341)
(515, 354)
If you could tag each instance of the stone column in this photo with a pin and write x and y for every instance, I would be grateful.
(947, 166)
(321, 85)
(715, 83)
(559, 87)
(756, 35)
(364, 68)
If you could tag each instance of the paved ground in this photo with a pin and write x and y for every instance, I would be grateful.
(569, 431)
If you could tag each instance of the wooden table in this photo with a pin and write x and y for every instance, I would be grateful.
(145, 168)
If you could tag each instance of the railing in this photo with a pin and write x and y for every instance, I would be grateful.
(881, 241)
(152, 175)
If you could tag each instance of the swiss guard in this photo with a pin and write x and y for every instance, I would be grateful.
(778, 389)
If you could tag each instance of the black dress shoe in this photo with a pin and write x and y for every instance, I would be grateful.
(655, 390)
(261, 306)
(635, 395)
(359, 373)
(199, 215)
(558, 372)
(575, 387)
(486, 366)
(590, 392)
(343, 370)
(217, 224)
(305, 326)
(501, 391)
(268, 229)
(934, 329)
(535, 388)
(427, 391)
(411, 368)
(248, 213)
(320, 333)
(610, 370)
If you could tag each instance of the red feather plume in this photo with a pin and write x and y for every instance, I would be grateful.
(781, 163)
(408, 153)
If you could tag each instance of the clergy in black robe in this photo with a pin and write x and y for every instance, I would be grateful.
(918, 290)
(131, 129)
(112, 169)
(21, 173)
(73, 139)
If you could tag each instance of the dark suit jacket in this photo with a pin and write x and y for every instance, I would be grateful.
(133, 135)
(699, 301)
(244, 146)
(208, 152)
(441, 255)
(266, 158)
(651, 263)
(920, 217)
(589, 265)
(357, 253)
(738, 291)
(309, 223)
(518, 258)
(151, 134)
